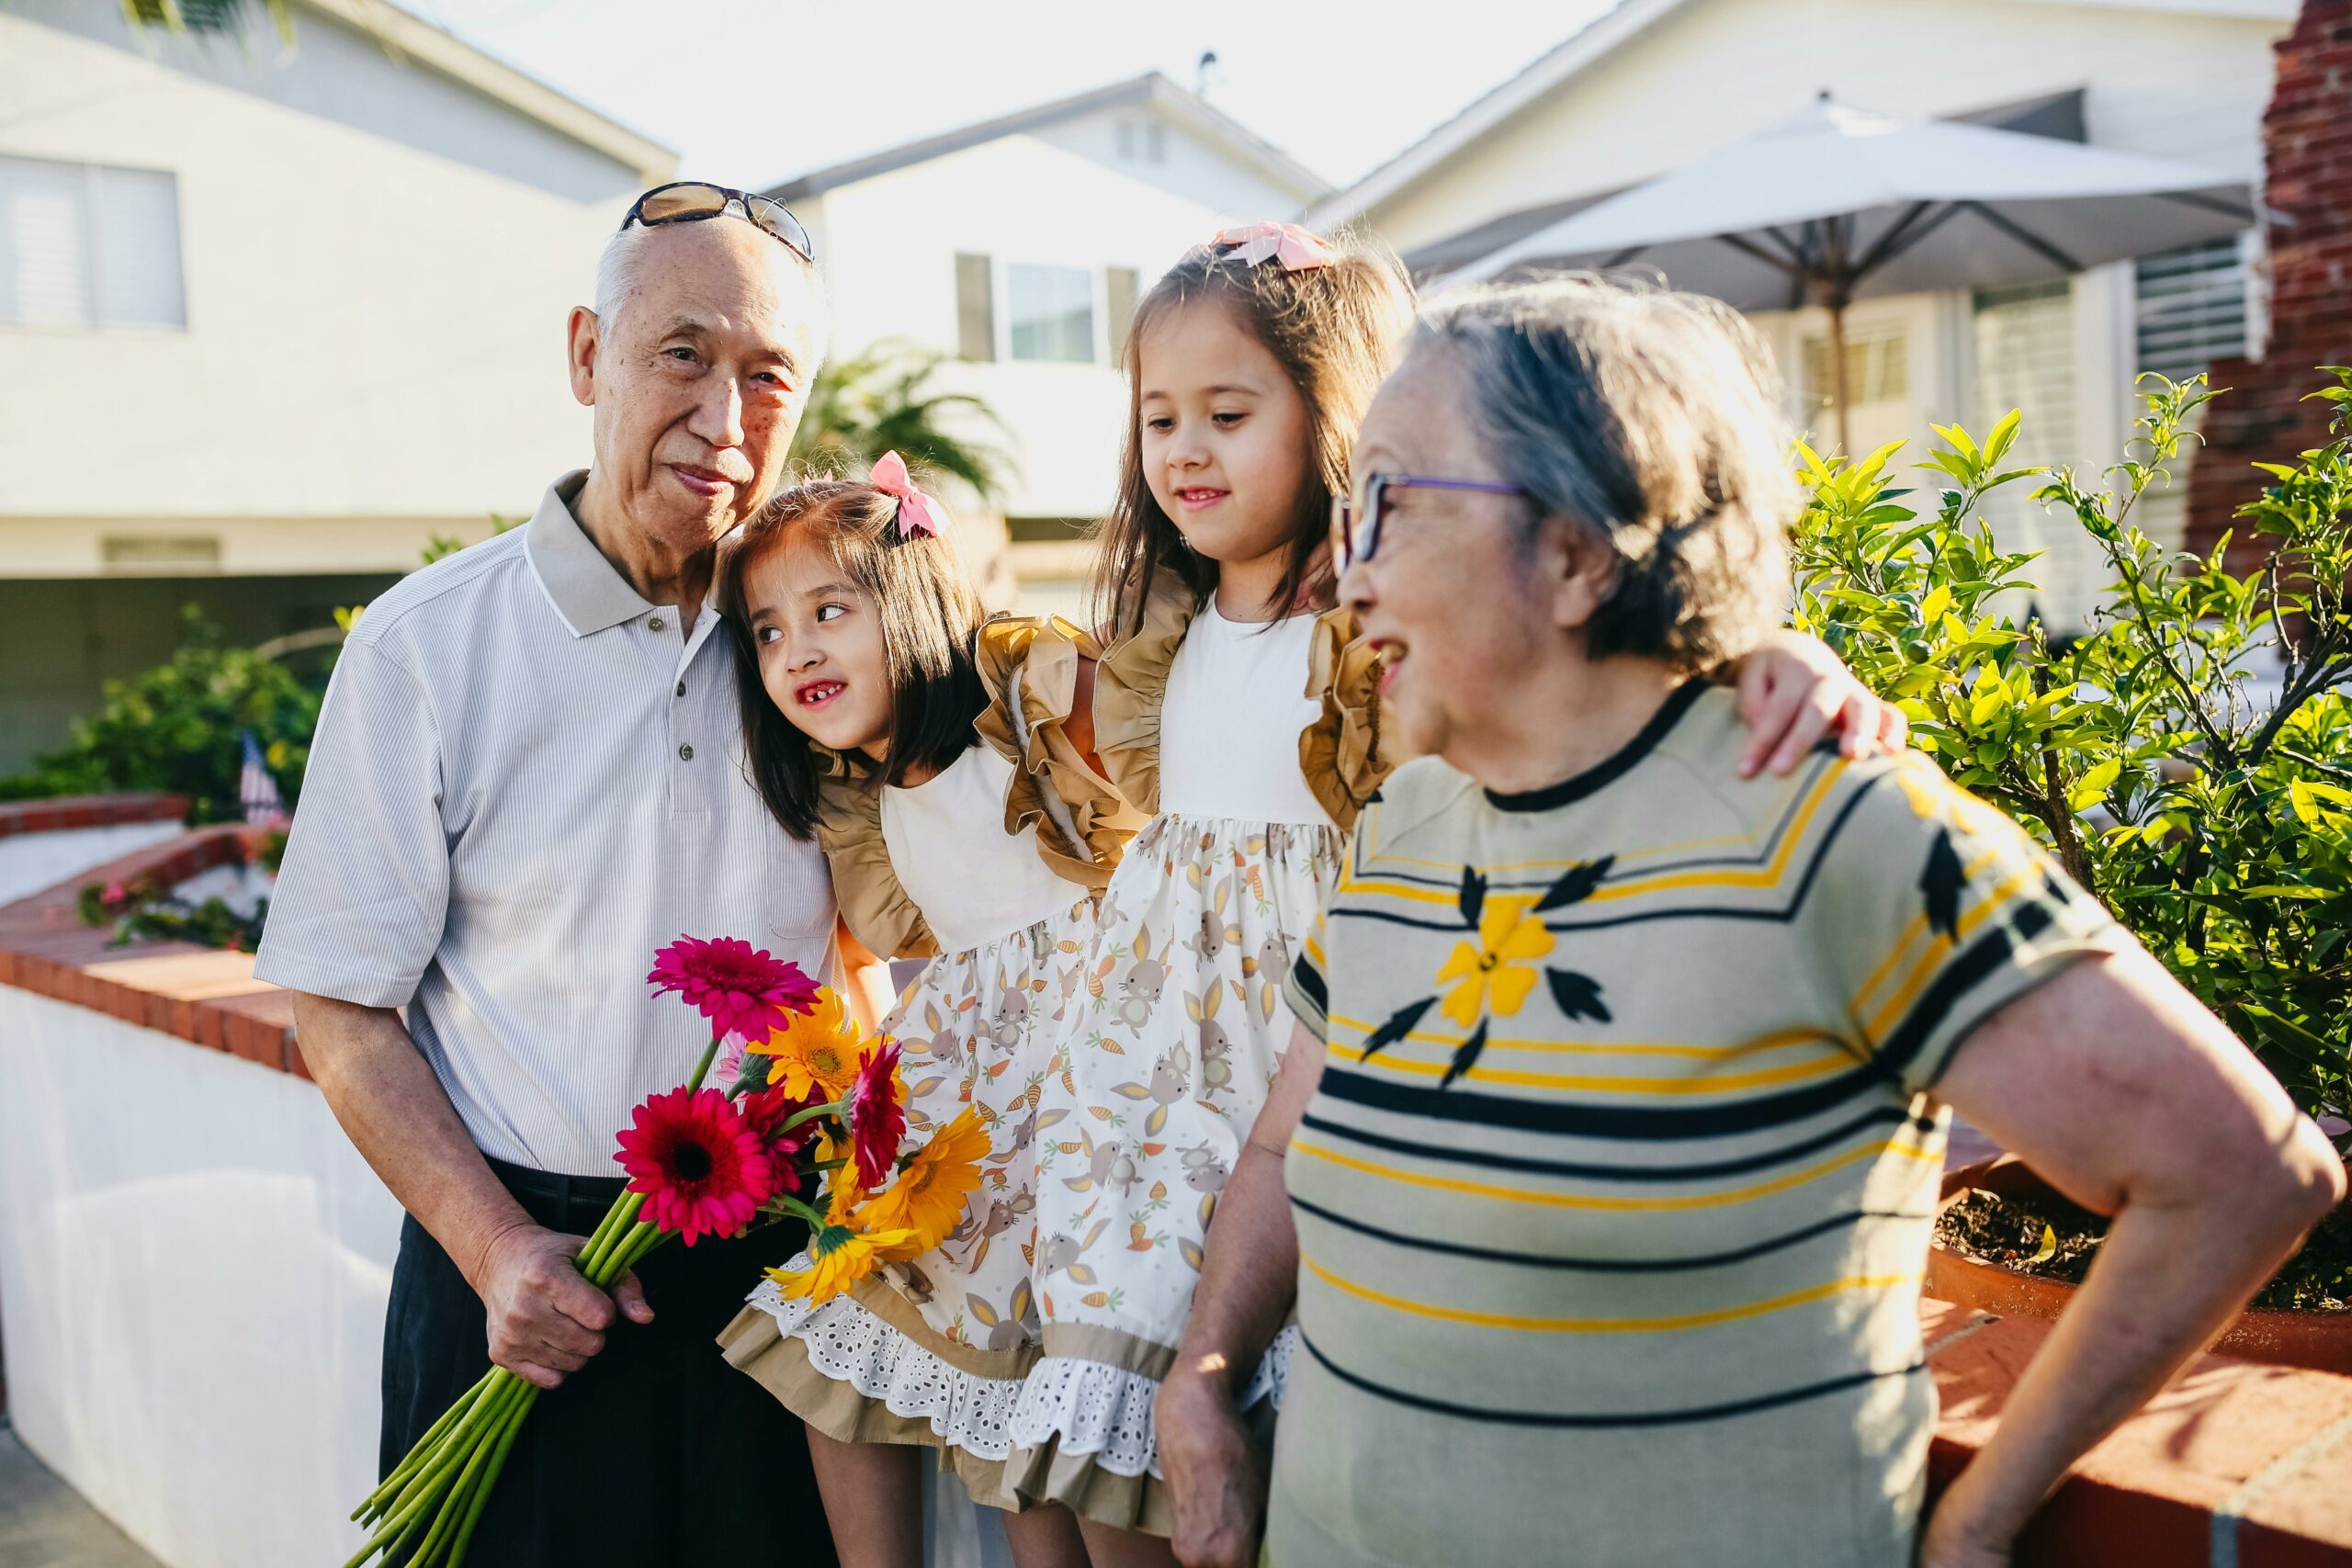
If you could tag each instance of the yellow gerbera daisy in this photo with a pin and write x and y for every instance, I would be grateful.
(1510, 936)
(817, 1053)
(838, 1259)
(927, 1197)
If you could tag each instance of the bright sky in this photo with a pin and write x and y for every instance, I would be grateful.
(752, 92)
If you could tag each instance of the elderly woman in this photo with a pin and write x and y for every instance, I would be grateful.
(1614, 1117)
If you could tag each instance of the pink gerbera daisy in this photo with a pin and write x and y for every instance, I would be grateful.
(704, 1169)
(878, 1123)
(742, 991)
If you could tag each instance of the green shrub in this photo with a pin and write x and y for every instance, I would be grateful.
(179, 727)
(2216, 826)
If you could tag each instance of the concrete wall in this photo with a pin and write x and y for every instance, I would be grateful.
(30, 861)
(193, 1264)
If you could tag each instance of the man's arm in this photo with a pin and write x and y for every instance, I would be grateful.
(545, 1319)
(2134, 1101)
(1216, 1479)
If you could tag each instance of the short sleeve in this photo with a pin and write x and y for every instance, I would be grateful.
(1929, 911)
(1340, 753)
(873, 902)
(1031, 670)
(363, 890)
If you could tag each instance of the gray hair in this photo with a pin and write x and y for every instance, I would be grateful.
(1649, 419)
(617, 263)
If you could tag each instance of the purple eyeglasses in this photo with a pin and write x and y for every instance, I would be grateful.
(1355, 520)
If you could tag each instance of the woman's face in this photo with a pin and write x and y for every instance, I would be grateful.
(1223, 433)
(823, 657)
(1451, 598)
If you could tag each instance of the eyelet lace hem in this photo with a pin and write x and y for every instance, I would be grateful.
(1105, 1411)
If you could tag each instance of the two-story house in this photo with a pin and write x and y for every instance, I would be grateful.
(271, 318)
(1652, 85)
(1018, 247)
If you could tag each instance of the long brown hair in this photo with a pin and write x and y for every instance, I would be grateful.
(1335, 330)
(929, 610)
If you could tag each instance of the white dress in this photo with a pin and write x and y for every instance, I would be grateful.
(1161, 1071)
(934, 1351)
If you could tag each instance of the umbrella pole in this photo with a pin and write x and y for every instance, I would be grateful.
(1837, 372)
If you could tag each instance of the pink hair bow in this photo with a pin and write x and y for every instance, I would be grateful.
(1292, 246)
(918, 514)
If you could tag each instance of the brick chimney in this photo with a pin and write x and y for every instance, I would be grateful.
(2307, 145)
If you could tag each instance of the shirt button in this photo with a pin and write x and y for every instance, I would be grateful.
(656, 623)
(686, 753)
(682, 688)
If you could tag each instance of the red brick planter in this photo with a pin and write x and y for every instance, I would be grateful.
(2322, 1341)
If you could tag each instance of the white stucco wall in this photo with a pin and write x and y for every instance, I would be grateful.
(889, 246)
(30, 861)
(374, 346)
(194, 1263)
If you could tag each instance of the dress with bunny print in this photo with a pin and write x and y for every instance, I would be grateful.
(990, 869)
(1255, 745)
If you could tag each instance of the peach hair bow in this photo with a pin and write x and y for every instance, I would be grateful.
(1292, 246)
(918, 514)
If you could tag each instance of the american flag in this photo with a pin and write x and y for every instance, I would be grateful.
(257, 790)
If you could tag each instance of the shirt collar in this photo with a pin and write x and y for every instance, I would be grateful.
(587, 593)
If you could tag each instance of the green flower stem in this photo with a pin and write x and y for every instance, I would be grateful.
(797, 1117)
(605, 1227)
(489, 1477)
(433, 1481)
(591, 1263)
(390, 1486)
(815, 1221)
(618, 1253)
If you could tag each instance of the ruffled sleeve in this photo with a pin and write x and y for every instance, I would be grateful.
(1030, 667)
(1129, 686)
(1340, 751)
(849, 827)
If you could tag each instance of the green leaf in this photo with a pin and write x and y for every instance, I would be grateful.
(2094, 785)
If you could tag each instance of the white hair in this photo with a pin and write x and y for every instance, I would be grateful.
(617, 268)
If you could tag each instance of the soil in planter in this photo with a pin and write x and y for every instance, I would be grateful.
(2007, 1232)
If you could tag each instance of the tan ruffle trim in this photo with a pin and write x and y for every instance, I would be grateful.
(757, 1347)
(1046, 1475)
(1340, 753)
(849, 827)
(1030, 667)
(1129, 686)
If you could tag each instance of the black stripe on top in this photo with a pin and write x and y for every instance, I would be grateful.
(1310, 980)
(1600, 774)
(1487, 1160)
(1610, 1265)
(1631, 1419)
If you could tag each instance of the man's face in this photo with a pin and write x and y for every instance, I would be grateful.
(699, 380)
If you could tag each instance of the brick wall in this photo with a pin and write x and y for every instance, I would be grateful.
(2307, 145)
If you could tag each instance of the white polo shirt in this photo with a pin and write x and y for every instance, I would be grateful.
(525, 781)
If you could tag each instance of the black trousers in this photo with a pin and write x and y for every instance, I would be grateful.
(657, 1454)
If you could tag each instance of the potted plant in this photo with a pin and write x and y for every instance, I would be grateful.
(2211, 815)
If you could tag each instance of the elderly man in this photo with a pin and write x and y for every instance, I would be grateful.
(527, 777)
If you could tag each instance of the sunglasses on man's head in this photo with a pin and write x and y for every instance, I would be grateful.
(691, 201)
(1356, 519)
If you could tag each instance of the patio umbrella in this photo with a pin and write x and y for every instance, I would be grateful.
(1838, 204)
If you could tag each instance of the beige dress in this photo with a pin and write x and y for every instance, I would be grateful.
(991, 870)
(1255, 746)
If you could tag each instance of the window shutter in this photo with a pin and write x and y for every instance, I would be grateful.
(1119, 303)
(975, 308)
(45, 243)
(2191, 307)
(139, 250)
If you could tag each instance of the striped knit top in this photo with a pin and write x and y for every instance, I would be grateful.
(1614, 1201)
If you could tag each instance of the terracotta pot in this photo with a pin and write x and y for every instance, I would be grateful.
(2321, 1340)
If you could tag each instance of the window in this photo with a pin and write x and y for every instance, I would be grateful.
(975, 307)
(1877, 369)
(1142, 142)
(86, 245)
(1052, 312)
(2191, 308)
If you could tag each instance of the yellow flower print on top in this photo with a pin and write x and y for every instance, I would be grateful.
(1496, 969)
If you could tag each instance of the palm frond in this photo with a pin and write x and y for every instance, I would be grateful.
(881, 399)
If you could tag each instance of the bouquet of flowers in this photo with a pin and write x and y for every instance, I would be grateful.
(810, 1124)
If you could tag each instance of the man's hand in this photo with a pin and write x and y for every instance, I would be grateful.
(1216, 1478)
(545, 1319)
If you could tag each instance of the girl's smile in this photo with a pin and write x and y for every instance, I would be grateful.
(816, 694)
(1200, 498)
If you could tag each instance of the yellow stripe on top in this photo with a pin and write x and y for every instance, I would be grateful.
(1767, 876)
(1997, 897)
(1782, 1040)
(1300, 1143)
(1603, 1083)
(1609, 1324)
